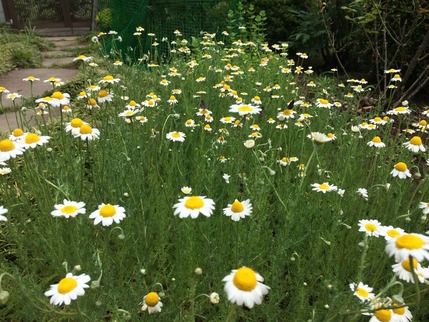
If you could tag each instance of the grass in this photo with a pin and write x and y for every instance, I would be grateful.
(306, 244)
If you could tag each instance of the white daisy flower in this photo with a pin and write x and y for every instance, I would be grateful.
(404, 270)
(109, 79)
(244, 286)
(362, 291)
(363, 192)
(152, 303)
(376, 142)
(3, 210)
(86, 132)
(389, 232)
(74, 125)
(370, 227)
(104, 96)
(176, 136)
(244, 109)
(32, 140)
(406, 245)
(68, 209)
(68, 289)
(415, 144)
(193, 206)
(238, 209)
(107, 214)
(324, 187)
(10, 149)
(425, 207)
(5, 170)
(401, 171)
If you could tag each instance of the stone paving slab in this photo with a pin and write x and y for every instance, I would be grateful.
(13, 82)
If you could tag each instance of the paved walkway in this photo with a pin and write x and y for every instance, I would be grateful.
(62, 54)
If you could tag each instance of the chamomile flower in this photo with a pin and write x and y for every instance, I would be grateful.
(406, 245)
(17, 135)
(324, 187)
(401, 171)
(74, 125)
(404, 270)
(86, 132)
(59, 98)
(362, 291)
(376, 142)
(176, 136)
(238, 209)
(399, 110)
(390, 232)
(32, 140)
(109, 79)
(68, 289)
(244, 287)
(370, 227)
(319, 137)
(321, 102)
(415, 144)
(152, 303)
(186, 190)
(402, 314)
(104, 96)
(30, 79)
(244, 109)
(82, 58)
(363, 192)
(4, 171)
(68, 209)
(3, 210)
(10, 149)
(193, 206)
(424, 206)
(107, 214)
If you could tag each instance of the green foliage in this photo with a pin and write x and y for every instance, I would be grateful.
(104, 19)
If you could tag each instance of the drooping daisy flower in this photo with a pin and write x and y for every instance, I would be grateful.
(376, 142)
(86, 132)
(425, 207)
(370, 227)
(400, 170)
(406, 245)
(389, 232)
(415, 144)
(363, 192)
(319, 137)
(68, 209)
(32, 140)
(244, 287)
(9, 149)
(404, 270)
(109, 79)
(17, 135)
(82, 58)
(3, 210)
(107, 214)
(402, 314)
(362, 291)
(238, 209)
(152, 303)
(176, 136)
(193, 206)
(244, 109)
(324, 187)
(68, 289)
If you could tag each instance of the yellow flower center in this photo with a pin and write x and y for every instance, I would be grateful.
(409, 241)
(396, 76)
(227, 118)
(172, 98)
(370, 227)
(324, 186)
(67, 285)
(423, 123)
(133, 103)
(399, 310)
(68, 209)
(407, 265)
(151, 299)
(176, 135)
(257, 98)
(323, 101)
(393, 233)
(377, 119)
(416, 140)
(245, 279)
(400, 109)
(107, 211)
(103, 93)
(194, 203)
(401, 166)
(32, 138)
(245, 108)
(237, 206)
(82, 94)
(76, 122)
(58, 95)
(81, 57)
(189, 122)
(18, 132)
(362, 292)
(287, 112)
(383, 315)
(108, 78)
(376, 139)
(85, 129)
(92, 102)
(31, 78)
(6, 145)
